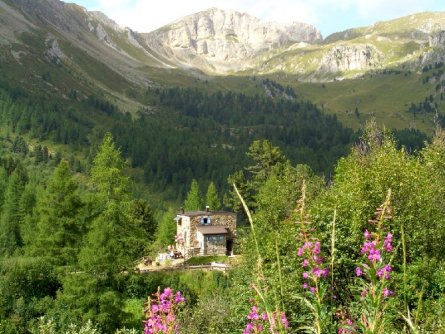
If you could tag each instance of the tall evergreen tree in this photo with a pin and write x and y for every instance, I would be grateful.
(265, 156)
(111, 244)
(58, 229)
(193, 200)
(10, 236)
(165, 232)
(143, 216)
(212, 199)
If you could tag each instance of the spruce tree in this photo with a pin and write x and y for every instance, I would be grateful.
(212, 199)
(107, 244)
(10, 236)
(193, 200)
(111, 244)
(58, 227)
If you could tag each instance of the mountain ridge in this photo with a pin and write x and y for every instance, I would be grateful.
(221, 42)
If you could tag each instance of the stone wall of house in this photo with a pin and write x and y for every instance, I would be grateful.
(227, 220)
(189, 227)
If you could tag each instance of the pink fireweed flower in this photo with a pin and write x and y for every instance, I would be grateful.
(284, 320)
(317, 272)
(316, 249)
(161, 312)
(325, 272)
(386, 292)
(367, 234)
(368, 246)
(249, 328)
(358, 271)
(300, 251)
(387, 243)
(167, 293)
(385, 272)
(179, 298)
(260, 321)
(305, 262)
(253, 315)
(374, 255)
(347, 327)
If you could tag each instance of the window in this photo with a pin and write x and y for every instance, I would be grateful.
(205, 221)
(216, 239)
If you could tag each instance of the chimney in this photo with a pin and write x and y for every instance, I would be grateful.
(207, 208)
(181, 210)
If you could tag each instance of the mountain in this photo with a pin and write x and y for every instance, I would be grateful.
(56, 49)
(221, 42)
(408, 42)
(224, 41)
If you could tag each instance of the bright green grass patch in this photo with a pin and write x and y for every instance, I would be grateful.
(201, 260)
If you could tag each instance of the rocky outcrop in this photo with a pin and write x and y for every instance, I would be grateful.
(224, 40)
(352, 57)
(438, 40)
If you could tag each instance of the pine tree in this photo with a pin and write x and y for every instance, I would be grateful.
(165, 232)
(58, 228)
(193, 200)
(212, 199)
(10, 236)
(111, 244)
(143, 216)
(265, 156)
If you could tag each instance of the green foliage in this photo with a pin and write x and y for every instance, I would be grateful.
(212, 200)
(25, 282)
(265, 156)
(213, 314)
(165, 232)
(193, 201)
(59, 230)
(10, 236)
(115, 238)
(144, 219)
(199, 260)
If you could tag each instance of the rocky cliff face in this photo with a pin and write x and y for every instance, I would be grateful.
(224, 40)
(438, 40)
(343, 58)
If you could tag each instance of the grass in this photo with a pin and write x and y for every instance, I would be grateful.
(202, 260)
(385, 97)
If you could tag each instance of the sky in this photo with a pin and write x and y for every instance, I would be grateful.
(328, 16)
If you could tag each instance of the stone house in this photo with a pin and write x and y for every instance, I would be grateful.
(205, 232)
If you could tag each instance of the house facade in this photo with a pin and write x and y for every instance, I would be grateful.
(205, 232)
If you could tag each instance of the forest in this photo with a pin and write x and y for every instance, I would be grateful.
(341, 231)
(362, 253)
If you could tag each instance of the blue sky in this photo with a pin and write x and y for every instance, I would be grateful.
(327, 15)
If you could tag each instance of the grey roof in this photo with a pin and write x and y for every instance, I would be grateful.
(213, 229)
(205, 213)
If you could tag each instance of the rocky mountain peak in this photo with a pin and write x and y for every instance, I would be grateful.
(225, 40)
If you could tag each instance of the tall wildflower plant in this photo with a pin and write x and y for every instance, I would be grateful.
(160, 312)
(263, 318)
(373, 274)
(316, 272)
